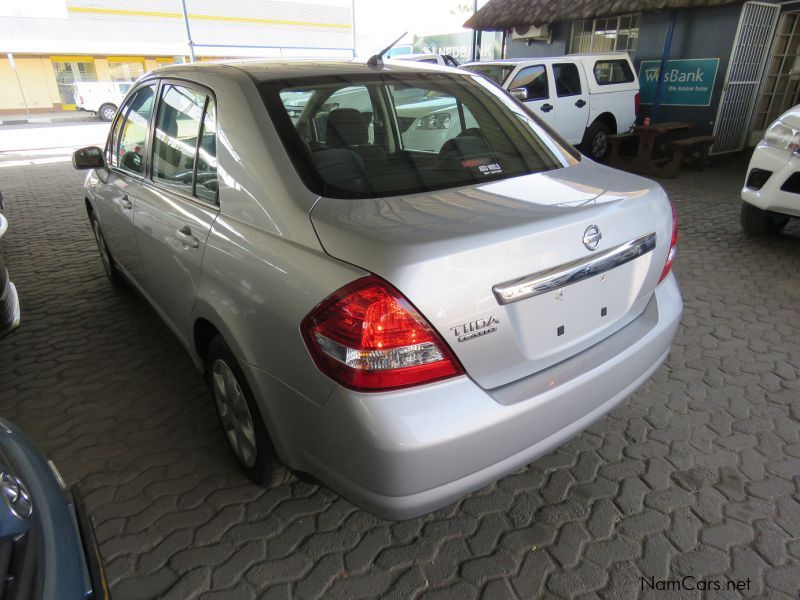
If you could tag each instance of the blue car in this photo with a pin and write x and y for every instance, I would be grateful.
(47, 545)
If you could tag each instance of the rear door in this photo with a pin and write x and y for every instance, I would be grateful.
(571, 101)
(177, 203)
(116, 196)
(536, 82)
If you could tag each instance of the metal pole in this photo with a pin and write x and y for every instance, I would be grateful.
(353, 12)
(188, 30)
(474, 33)
(19, 82)
(662, 70)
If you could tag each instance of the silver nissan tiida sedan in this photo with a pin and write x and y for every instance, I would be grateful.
(406, 324)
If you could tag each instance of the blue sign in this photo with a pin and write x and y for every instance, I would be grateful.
(688, 82)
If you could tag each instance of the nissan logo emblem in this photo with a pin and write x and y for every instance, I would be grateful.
(592, 237)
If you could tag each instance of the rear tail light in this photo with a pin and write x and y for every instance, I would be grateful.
(673, 245)
(80, 99)
(368, 337)
(636, 100)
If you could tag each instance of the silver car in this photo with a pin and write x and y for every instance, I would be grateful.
(405, 324)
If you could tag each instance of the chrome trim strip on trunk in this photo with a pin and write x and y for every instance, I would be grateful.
(573, 272)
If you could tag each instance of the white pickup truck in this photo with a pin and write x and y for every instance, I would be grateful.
(101, 97)
(584, 97)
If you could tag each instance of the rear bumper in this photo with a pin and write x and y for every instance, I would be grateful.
(408, 452)
(775, 195)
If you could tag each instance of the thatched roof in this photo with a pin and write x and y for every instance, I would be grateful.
(498, 15)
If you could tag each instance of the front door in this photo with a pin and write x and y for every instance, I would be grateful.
(177, 205)
(535, 80)
(571, 102)
(116, 196)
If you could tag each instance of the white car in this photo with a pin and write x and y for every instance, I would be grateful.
(434, 59)
(584, 97)
(771, 193)
(101, 97)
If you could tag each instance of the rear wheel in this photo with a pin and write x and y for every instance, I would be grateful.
(109, 266)
(107, 112)
(756, 221)
(240, 418)
(595, 141)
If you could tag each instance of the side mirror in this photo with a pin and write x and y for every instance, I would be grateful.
(88, 158)
(520, 93)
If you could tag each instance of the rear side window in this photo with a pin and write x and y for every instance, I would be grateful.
(533, 79)
(568, 80)
(184, 147)
(609, 72)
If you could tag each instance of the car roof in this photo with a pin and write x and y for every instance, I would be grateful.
(287, 68)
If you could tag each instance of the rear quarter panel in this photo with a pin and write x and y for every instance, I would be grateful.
(621, 104)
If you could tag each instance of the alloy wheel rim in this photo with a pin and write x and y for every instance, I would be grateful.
(109, 113)
(600, 144)
(101, 246)
(234, 413)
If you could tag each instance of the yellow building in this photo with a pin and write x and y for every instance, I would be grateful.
(46, 45)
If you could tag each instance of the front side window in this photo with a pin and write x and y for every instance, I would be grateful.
(568, 80)
(128, 148)
(533, 79)
(428, 131)
(180, 114)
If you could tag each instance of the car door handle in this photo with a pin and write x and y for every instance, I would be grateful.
(580, 103)
(546, 107)
(184, 235)
(126, 202)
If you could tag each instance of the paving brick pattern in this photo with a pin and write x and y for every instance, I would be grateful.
(698, 473)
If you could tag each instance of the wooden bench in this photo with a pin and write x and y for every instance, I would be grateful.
(698, 146)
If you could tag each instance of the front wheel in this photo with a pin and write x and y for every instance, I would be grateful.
(107, 112)
(756, 221)
(109, 266)
(240, 418)
(595, 141)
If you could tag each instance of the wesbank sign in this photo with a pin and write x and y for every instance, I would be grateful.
(688, 82)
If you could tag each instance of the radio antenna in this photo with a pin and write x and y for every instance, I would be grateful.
(376, 60)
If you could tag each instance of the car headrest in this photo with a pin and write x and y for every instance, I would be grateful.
(340, 168)
(345, 128)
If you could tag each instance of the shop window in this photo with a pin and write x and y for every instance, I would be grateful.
(613, 34)
(68, 70)
(125, 69)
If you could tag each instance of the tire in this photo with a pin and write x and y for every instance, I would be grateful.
(756, 221)
(595, 141)
(107, 112)
(109, 266)
(241, 419)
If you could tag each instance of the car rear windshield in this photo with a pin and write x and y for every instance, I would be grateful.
(375, 135)
(496, 73)
(609, 72)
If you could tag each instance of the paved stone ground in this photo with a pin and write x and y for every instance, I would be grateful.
(697, 474)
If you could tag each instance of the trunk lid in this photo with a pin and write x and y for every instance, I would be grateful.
(451, 251)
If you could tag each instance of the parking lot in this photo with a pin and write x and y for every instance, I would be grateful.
(698, 473)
